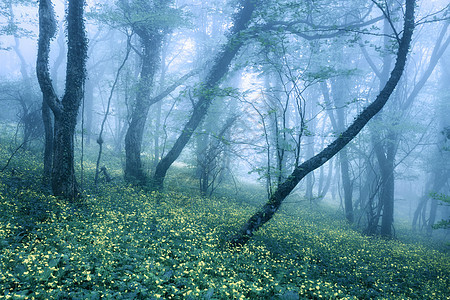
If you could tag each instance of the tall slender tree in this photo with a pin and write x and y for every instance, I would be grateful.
(386, 142)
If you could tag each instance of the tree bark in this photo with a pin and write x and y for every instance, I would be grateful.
(48, 144)
(47, 116)
(341, 111)
(275, 201)
(47, 29)
(65, 111)
(347, 185)
(419, 209)
(215, 74)
(151, 42)
(387, 166)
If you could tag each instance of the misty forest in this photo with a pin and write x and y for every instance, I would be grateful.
(225, 149)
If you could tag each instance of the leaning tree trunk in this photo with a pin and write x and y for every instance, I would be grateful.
(273, 204)
(215, 74)
(65, 111)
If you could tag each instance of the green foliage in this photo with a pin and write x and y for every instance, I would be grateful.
(123, 242)
(442, 224)
(324, 73)
(10, 14)
(144, 15)
(441, 197)
(445, 199)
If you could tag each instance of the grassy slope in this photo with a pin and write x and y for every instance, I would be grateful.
(126, 243)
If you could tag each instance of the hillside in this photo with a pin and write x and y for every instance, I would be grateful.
(124, 243)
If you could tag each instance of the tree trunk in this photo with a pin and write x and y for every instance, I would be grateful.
(420, 207)
(323, 192)
(274, 202)
(310, 140)
(151, 43)
(47, 116)
(384, 159)
(386, 154)
(156, 134)
(347, 185)
(66, 110)
(387, 197)
(48, 144)
(203, 166)
(432, 217)
(63, 172)
(215, 74)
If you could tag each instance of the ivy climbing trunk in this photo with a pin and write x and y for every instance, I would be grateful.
(65, 111)
(48, 144)
(267, 211)
(216, 73)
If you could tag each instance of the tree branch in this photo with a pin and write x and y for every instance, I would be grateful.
(273, 204)
(47, 30)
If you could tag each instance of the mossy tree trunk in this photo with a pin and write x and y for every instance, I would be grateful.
(65, 111)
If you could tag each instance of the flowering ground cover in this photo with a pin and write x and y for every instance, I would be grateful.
(126, 243)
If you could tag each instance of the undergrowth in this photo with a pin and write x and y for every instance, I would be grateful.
(120, 242)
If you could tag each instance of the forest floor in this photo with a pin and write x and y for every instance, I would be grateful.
(121, 242)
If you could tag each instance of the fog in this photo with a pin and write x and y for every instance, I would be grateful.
(212, 149)
(302, 75)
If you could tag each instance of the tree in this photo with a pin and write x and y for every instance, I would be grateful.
(26, 94)
(218, 70)
(267, 211)
(64, 110)
(47, 117)
(151, 22)
(338, 122)
(387, 139)
(211, 137)
(151, 30)
(437, 161)
(210, 157)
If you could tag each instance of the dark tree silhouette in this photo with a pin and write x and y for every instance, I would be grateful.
(65, 110)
